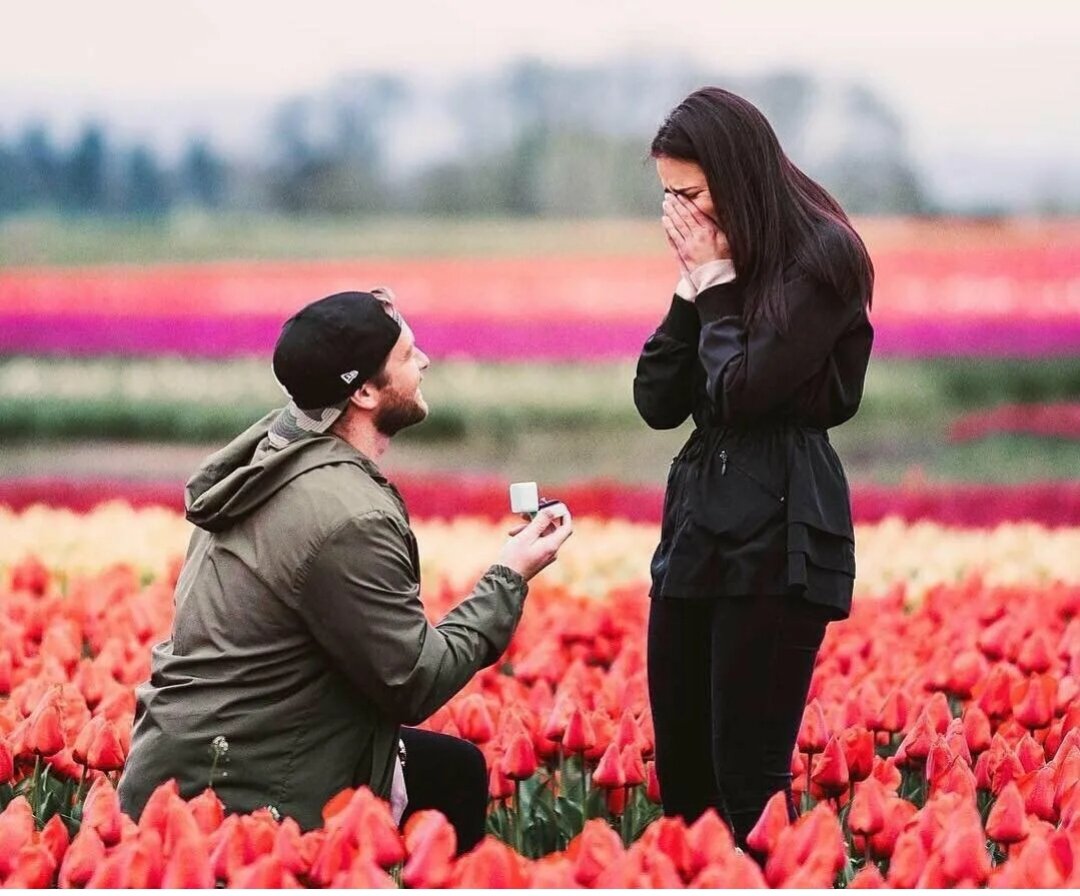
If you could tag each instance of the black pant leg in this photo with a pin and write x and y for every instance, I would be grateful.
(680, 685)
(448, 774)
(764, 649)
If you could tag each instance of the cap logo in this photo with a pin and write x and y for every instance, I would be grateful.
(350, 376)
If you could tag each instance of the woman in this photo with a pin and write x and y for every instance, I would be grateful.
(766, 344)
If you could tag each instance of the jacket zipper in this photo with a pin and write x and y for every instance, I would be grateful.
(752, 478)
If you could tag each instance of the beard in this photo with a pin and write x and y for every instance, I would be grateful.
(399, 412)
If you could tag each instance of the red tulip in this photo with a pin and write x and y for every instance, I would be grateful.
(894, 712)
(16, 829)
(1030, 753)
(995, 699)
(831, 771)
(106, 753)
(1037, 789)
(809, 853)
(265, 873)
(431, 842)
(82, 858)
(609, 773)
(915, 748)
(579, 736)
(963, 855)
(33, 868)
(652, 789)
(773, 821)
(101, 811)
(965, 672)
(7, 762)
(1007, 822)
(363, 874)
(1036, 654)
(208, 811)
(898, 813)
(45, 734)
(938, 713)
(976, 730)
(81, 748)
(868, 878)
(597, 847)
(867, 813)
(709, 842)
(858, 744)
(1033, 702)
(188, 865)
(491, 865)
(500, 787)
(814, 732)
(633, 767)
(474, 719)
(30, 575)
(155, 811)
(907, 861)
(519, 761)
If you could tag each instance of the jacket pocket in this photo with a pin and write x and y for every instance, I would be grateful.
(737, 497)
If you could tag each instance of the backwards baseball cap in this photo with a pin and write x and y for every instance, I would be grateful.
(327, 351)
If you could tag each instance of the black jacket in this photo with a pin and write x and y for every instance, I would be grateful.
(757, 501)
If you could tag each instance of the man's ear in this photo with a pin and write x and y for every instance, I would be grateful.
(366, 397)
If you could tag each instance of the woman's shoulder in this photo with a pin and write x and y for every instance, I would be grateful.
(831, 259)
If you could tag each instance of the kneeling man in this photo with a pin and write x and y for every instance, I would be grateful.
(299, 640)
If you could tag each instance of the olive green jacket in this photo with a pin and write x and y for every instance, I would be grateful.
(299, 636)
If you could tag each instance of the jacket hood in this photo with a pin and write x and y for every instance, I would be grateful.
(234, 481)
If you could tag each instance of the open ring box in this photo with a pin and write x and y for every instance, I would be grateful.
(525, 500)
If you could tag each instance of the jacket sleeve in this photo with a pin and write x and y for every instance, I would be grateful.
(664, 383)
(751, 372)
(361, 602)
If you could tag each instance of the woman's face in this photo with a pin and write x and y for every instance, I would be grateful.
(686, 179)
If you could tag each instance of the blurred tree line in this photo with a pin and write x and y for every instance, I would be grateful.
(531, 139)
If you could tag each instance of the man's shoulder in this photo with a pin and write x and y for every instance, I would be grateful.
(336, 494)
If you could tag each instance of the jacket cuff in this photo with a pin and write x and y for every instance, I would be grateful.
(510, 576)
(682, 322)
(723, 300)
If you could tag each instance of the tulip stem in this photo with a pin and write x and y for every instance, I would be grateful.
(519, 833)
(34, 785)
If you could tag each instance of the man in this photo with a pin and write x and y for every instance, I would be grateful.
(299, 645)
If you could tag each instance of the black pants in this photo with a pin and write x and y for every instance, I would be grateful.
(448, 774)
(728, 679)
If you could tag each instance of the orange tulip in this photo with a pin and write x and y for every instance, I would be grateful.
(106, 753)
(868, 878)
(858, 745)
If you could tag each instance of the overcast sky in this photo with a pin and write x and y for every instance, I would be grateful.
(1002, 77)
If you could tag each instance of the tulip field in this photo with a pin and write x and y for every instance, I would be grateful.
(940, 747)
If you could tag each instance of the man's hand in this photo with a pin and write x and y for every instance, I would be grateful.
(536, 545)
(695, 239)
